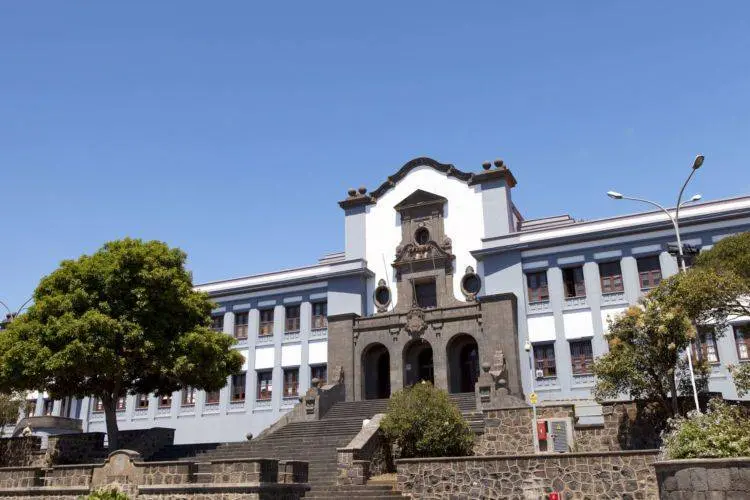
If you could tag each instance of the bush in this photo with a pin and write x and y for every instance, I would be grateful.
(719, 433)
(107, 494)
(423, 422)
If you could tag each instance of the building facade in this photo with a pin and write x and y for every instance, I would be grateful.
(440, 274)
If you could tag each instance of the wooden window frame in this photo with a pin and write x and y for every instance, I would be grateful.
(187, 396)
(539, 290)
(217, 322)
(165, 401)
(324, 368)
(547, 364)
(742, 338)
(213, 397)
(701, 348)
(121, 403)
(611, 283)
(48, 407)
(265, 326)
(581, 359)
(240, 329)
(319, 318)
(291, 383)
(426, 299)
(141, 399)
(652, 277)
(578, 282)
(263, 394)
(292, 323)
(239, 381)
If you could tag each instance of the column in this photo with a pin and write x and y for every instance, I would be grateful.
(279, 315)
(304, 335)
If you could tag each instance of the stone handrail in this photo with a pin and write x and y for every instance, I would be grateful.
(356, 459)
(704, 477)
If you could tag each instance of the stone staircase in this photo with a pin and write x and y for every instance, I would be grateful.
(315, 442)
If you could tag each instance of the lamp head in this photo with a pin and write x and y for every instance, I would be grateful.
(527, 346)
(614, 195)
(696, 197)
(698, 162)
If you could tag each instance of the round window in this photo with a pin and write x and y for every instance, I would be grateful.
(471, 283)
(422, 236)
(382, 296)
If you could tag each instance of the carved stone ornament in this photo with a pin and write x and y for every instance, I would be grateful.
(415, 322)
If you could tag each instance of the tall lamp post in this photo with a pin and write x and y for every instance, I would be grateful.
(681, 257)
(11, 314)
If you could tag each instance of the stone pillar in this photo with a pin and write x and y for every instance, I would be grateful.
(279, 316)
(341, 351)
(304, 334)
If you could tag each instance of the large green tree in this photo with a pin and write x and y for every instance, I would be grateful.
(646, 354)
(124, 320)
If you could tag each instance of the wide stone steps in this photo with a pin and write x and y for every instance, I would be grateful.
(371, 491)
(466, 402)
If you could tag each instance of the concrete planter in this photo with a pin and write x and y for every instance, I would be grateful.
(714, 478)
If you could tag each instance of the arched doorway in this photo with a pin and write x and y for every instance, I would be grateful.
(376, 372)
(418, 365)
(463, 363)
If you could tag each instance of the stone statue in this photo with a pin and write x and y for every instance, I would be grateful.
(26, 432)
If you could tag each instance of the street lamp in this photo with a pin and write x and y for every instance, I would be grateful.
(697, 163)
(534, 430)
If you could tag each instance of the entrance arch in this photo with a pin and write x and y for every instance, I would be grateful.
(376, 372)
(463, 363)
(418, 363)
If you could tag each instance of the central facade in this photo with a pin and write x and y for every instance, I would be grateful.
(416, 327)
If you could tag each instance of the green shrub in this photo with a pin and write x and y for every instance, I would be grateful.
(719, 433)
(423, 422)
(112, 493)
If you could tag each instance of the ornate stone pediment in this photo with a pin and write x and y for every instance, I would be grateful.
(409, 256)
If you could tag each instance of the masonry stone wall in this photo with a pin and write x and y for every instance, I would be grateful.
(716, 478)
(19, 451)
(609, 475)
(508, 431)
(242, 479)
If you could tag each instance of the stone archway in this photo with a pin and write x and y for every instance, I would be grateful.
(463, 363)
(418, 363)
(376, 372)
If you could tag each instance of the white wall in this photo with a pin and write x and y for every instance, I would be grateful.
(463, 224)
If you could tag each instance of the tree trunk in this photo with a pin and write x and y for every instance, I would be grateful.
(673, 388)
(110, 416)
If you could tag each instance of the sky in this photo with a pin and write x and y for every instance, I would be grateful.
(232, 129)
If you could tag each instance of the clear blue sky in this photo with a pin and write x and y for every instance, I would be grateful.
(231, 129)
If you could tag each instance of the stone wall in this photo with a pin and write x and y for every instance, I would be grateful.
(19, 451)
(81, 448)
(627, 426)
(242, 479)
(508, 431)
(621, 475)
(715, 478)
(146, 441)
(366, 455)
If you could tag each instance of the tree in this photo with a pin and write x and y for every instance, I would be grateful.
(10, 408)
(124, 320)
(422, 421)
(645, 358)
(741, 376)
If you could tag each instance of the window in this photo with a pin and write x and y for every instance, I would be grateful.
(266, 322)
(581, 356)
(537, 285)
(319, 372)
(544, 359)
(49, 405)
(422, 236)
(98, 405)
(188, 396)
(265, 388)
(610, 276)
(165, 401)
(292, 319)
(705, 348)
(291, 382)
(238, 387)
(141, 401)
(240, 325)
(212, 397)
(426, 294)
(649, 271)
(217, 323)
(573, 282)
(31, 407)
(742, 339)
(120, 405)
(319, 315)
